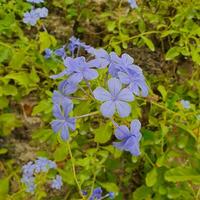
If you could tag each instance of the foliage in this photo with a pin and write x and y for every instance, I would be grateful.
(168, 166)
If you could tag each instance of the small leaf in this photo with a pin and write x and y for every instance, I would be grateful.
(103, 134)
(141, 193)
(149, 43)
(163, 92)
(110, 187)
(180, 174)
(3, 151)
(151, 177)
(172, 53)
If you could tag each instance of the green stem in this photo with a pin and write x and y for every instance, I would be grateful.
(87, 115)
(74, 171)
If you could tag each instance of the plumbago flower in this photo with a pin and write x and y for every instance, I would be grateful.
(130, 138)
(114, 100)
(78, 69)
(34, 15)
(31, 169)
(63, 122)
(97, 194)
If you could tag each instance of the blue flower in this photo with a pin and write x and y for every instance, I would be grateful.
(79, 69)
(41, 12)
(73, 44)
(135, 81)
(30, 18)
(185, 104)
(35, 1)
(57, 182)
(115, 99)
(30, 169)
(63, 122)
(133, 3)
(48, 52)
(29, 183)
(130, 138)
(58, 98)
(34, 15)
(111, 195)
(96, 194)
(61, 52)
(101, 56)
(43, 165)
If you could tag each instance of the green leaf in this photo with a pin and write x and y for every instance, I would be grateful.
(149, 43)
(4, 183)
(3, 151)
(46, 40)
(172, 53)
(9, 90)
(103, 134)
(163, 92)
(141, 193)
(5, 53)
(61, 152)
(43, 106)
(110, 187)
(180, 174)
(151, 177)
(22, 78)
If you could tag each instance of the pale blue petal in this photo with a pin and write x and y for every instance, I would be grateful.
(135, 126)
(122, 132)
(125, 95)
(57, 112)
(76, 78)
(101, 94)
(57, 125)
(90, 74)
(123, 108)
(114, 86)
(71, 123)
(65, 133)
(63, 73)
(108, 108)
(124, 78)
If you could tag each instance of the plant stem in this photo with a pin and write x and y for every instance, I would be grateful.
(87, 115)
(74, 170)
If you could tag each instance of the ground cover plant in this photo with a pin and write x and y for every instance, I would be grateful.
(99, 99)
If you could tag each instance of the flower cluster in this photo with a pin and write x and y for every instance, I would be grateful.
(126, 80)
(35, 14)
(40, 165)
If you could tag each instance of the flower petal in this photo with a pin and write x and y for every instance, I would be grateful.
(57, 125)
(135, 128)
(71, 123)
(101, 94)
(90, 74)
(59, 75)
(67, 109)
(125, 95)
(108, 108)
(57, 112)
(132, 145)
(123, 108)
(114, 86)
(122, 132)
(65, 133)
(76, 77)
(124, 78)
(119, 145)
